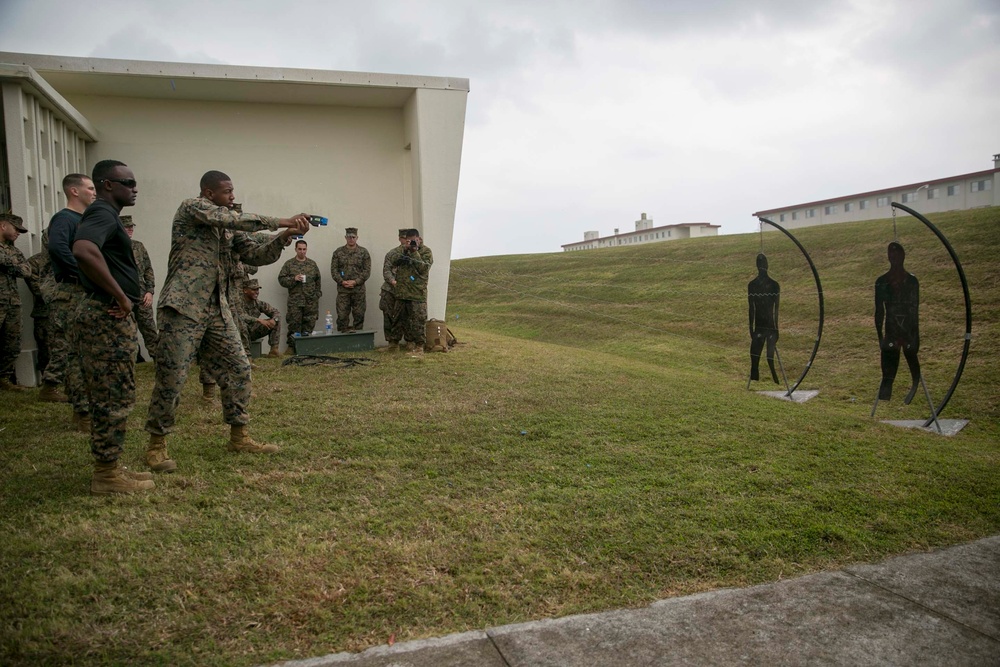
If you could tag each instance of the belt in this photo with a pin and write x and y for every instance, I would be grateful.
(105, 299)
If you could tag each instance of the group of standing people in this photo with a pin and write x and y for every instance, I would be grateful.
(96, 287)
(403, 295)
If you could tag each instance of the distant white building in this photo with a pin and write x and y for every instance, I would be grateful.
(644, 232)
(954, 193)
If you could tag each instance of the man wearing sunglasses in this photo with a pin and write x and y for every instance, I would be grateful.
(105, 329)
(194, 310)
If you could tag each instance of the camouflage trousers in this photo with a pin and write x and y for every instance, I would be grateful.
(147, 327)
(256, 330)
(389, 306)
(10, 339)
(64, 358)
(217, 341)
(301, 316)
(41, 333)
(107, 348)
(413, 320)
(208, 372)
(351, 304)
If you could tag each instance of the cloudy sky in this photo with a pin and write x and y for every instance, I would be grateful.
(585, 113)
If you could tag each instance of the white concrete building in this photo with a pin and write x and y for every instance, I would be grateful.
(372, 151)
(954, 193)
(644, 232)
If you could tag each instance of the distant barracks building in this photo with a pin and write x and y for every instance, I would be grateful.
(955, 193)
(374, 151)
(644, 232)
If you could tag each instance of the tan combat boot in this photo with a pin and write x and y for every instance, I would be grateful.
(81, 422)
(240, 441)
(136, 475)
(50, 394)
(7, 385)
(111, 478)
(156, 455)
(273, 352)
(208, 393)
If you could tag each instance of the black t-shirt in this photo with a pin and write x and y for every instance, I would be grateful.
(62, 233)
(102, 227)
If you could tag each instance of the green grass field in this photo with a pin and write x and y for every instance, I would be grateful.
(589, 445)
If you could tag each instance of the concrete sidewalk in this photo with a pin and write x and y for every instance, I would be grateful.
(938, 608)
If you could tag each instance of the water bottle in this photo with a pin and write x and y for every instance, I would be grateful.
(329, 323)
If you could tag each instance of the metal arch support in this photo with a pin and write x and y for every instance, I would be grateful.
(968, 308)
(819, 291)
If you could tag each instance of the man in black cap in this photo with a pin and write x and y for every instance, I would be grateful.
(351, 265)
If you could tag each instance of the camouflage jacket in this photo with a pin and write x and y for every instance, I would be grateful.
(42, 282)
(410, 270)
(308, 291)
(348, 264)
(147, 281)
(241, 255)
(252, 309)
(200, 244)
(388, 270)
(13, 265)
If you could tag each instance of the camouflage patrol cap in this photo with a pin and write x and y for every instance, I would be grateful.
(126, 220)
(253, 283)
(351, 231)
(402, 232)
(15, 221)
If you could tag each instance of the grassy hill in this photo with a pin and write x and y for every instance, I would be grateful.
(590, 445)
(683, 305)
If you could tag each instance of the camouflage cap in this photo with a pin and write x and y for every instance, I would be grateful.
(351, 231)
(252, 283)
(126, 220)
(402, 232)
(15, 221)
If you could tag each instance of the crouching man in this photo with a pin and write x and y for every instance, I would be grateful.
(251, 311)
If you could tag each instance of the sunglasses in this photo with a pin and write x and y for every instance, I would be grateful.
(127, 182)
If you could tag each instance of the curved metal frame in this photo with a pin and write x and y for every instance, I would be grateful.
(819, 291)
(968, 307)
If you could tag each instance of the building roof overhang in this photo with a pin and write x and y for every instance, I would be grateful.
(227, 83)
(32, 82)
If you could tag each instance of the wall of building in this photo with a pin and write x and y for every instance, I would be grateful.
(346, 164)
(40, 147)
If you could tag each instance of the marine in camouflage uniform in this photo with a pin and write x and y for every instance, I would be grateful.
(412, 263)
(13, 265)
(194, 309)
(147, 283)
(351, 266)
(252, 308)
(387, 300)
(241, 253)
(301, 277)
(43, 289)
